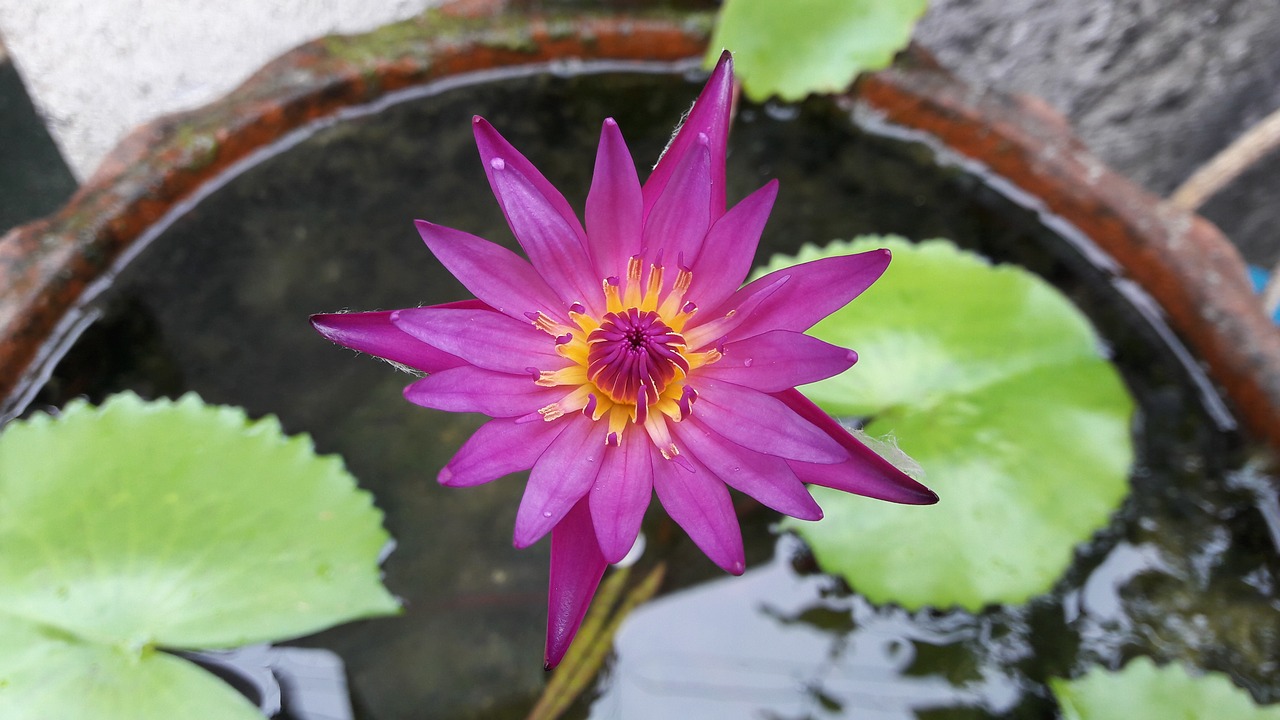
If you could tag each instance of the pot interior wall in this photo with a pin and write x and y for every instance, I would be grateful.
(218, 304)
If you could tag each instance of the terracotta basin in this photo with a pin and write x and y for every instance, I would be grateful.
(52, 267)
(186, 172)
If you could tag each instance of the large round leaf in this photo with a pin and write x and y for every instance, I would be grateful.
(993, 382)
(181, 525)
(44, 675)
(171, 524)
(1142, 691)
(798, 47)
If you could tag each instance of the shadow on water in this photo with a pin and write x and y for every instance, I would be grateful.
(219, 302)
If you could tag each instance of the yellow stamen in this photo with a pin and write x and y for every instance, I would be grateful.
(549, 326)
(684, 279)
(612, 299)
(632, 296)
(575, 350)
(603, 405)
(661, 436)
(575, 400)
(650, 301)
(619, 417)
(583, 321)
(699, 359)
(572, 375)
(671, 304)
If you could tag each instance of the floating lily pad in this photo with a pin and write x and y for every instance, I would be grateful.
(47, 674)
(792, 49)
(994, 383)
(138, 526)
(1142, 691)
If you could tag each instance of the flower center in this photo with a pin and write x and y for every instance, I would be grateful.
(632, 360)
(633, 356)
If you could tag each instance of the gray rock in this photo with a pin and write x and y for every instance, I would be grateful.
(34, 179)
(1155, 88)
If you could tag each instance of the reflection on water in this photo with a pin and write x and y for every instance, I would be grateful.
(775, 643)
(218, 304)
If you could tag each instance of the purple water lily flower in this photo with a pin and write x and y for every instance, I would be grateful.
(623, 358)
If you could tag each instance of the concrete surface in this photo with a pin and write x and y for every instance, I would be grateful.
(97, 68)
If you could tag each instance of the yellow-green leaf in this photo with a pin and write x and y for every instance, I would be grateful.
(143, 525)
(994, 383)
(798, 47)
(1142, 691)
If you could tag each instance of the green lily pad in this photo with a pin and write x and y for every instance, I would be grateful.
(993, 382)
(791, 49)
(46, 674)
(143, 525)
(1142, 691)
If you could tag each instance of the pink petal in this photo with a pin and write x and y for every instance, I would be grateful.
(560, 478)
(679, 219)
(621, 495)
(471, 389)
(576, 569)
(614, 205)
(374, 333)
(864, 473)
(779, 360)
(763, 477)
(710, 117)
(711, 329)
(753, 419)
(498, 448)
(541, 219)
(814, 290)
(484, 338)
(730, 248)
(700, 503)
(503, 280)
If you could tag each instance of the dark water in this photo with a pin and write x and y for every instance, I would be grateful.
(218, 304)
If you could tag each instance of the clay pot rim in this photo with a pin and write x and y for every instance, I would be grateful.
(51, 267)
